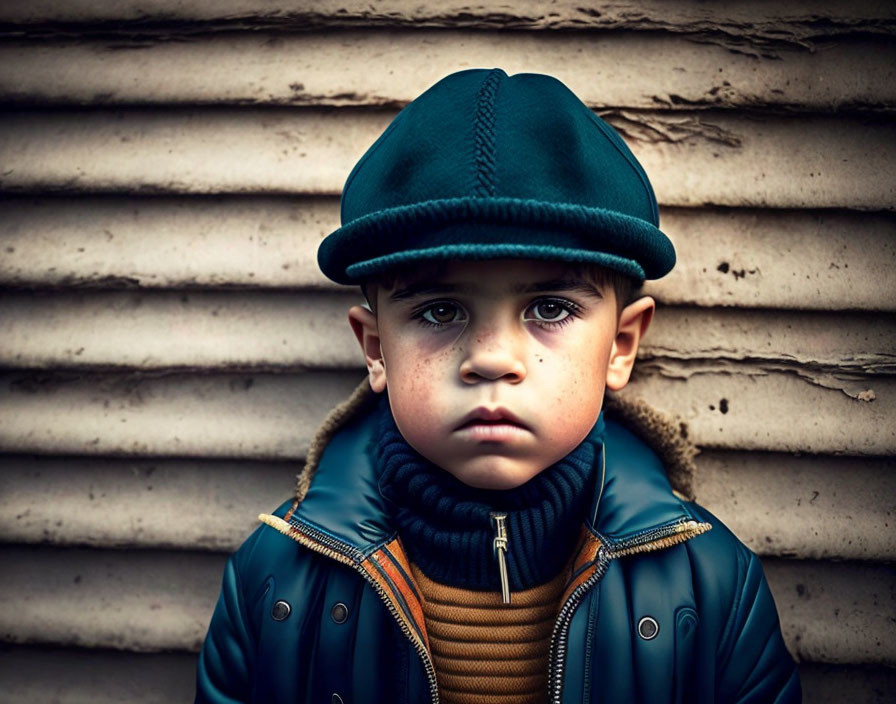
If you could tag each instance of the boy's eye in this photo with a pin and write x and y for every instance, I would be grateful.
(549, 310)
(442, 313)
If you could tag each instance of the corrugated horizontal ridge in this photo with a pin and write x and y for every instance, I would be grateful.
(809, 507)
(254, 416)
(142, 502)
(798, 21)
(272, 416)
(289, 331)
(694, 158)
(816, 259)
(611, 70)
(772, 410)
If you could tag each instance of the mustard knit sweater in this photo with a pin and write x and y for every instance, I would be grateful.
(486, 652)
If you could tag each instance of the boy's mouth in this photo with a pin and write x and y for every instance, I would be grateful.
(484, 417)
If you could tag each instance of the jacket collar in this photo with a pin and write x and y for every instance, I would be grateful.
(634, 501)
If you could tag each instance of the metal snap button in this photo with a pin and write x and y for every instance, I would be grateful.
(280, 610)
(648, 628)
(335, 699)
(339, 613)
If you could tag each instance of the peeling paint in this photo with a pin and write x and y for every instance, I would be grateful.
(853, 385)
(659, 127)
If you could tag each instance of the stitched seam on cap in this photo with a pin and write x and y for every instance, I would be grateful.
(484, 136)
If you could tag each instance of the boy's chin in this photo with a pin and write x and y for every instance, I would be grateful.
(493, 473)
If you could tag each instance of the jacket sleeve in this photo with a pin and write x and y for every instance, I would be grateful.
(223, 675)
(754, 664)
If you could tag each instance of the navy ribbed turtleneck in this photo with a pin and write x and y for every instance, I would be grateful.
(445, 525)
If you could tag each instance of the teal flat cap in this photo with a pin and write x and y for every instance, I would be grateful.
(483, 165)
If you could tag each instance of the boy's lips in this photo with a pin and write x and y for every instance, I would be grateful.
(483, 416)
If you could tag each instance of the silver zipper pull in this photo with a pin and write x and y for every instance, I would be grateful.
(499, 545)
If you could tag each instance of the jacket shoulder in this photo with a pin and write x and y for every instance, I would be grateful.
(718, 557)
(265, 553)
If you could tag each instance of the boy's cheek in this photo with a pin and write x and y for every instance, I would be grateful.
(416, 413)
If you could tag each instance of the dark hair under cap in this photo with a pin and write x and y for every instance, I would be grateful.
(485, 165)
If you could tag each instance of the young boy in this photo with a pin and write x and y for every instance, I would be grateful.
(478, 523)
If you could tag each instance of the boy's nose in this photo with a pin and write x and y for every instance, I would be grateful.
(490, 361)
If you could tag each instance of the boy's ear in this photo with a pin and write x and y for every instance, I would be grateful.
(633, 323)
(364, 326)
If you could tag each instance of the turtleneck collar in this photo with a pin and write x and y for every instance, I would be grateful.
(446, 527)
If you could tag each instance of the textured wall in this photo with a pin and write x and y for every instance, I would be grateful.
(167, 345)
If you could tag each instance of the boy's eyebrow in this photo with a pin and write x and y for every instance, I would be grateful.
(579, 285)
(422, 288)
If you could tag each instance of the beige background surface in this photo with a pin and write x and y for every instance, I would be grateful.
(167, 345)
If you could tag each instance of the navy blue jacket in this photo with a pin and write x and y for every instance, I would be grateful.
(664, 604)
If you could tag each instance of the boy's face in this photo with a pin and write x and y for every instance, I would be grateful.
(496, 369)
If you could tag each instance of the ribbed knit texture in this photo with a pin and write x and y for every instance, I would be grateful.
(446, 528)
(486, 652)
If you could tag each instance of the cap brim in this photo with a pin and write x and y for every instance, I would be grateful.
(490, 228)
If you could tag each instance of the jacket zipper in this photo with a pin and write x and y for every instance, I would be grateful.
(657, 539)
(559, 635)
(347, 555)
(499, 546)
